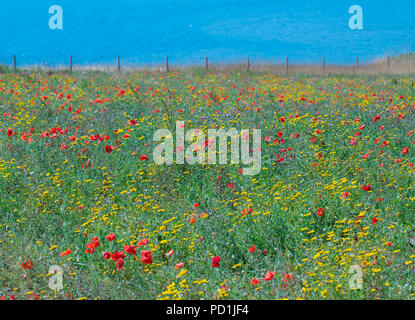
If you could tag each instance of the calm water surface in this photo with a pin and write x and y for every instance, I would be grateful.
(145, 31)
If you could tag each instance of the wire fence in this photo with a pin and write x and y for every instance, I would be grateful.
(386, 65)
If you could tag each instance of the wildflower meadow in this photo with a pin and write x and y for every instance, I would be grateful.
(86, 212)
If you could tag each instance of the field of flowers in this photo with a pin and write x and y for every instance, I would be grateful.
(79, 188)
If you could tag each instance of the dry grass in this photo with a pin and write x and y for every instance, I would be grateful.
(379, 66)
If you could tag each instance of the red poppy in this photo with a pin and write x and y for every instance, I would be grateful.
(254, 281)
(405, 150)
(106, 255)
(215, 262)
(117, 255)
(130, 249)
(108, 149)
(66, 252)
(366, 187)
(146, 257)
(9, 132)
(287, 277)
(110, 237)
(179, 265)
(27, 264)
(269, 275)
(96, 137)
(142, 242)
(92, 245)
(169, 254)
(320, 211)
(121, 93)
(252, 249)
(120, 264)
(345, 194)
(246, 211)
(143, 157)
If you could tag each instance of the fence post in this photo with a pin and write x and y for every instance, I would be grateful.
(324, 63)
(389, 63)
(286, 65)
(357, 64)
(70, 64)
(14, 63)
(206, 64)
(248, 65)
(167, 64)
(119, 64)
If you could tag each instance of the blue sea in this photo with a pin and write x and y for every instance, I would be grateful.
(144, 32)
